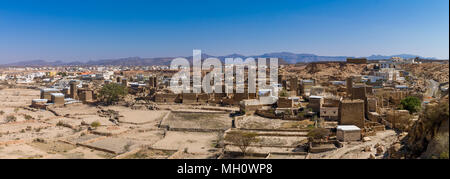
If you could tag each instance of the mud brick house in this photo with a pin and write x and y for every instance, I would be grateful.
(285, 103)
(351, 112)
(315, 103)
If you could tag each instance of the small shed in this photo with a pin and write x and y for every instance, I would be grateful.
(57, 98)
(348, 133)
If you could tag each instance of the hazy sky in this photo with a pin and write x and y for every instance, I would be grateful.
(72, 30)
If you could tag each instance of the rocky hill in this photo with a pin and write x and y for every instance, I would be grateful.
(429, 137)
(285, 58)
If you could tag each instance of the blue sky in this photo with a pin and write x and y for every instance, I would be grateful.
(80, 30)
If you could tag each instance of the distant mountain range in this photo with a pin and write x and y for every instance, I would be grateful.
(285, 58)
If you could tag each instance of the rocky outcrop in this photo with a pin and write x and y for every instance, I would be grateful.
(428, 138)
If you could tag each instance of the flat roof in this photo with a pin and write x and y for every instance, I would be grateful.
(57, 94)
(49, 89)
(348, 128)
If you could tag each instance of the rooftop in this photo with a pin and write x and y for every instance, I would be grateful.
(348, 128)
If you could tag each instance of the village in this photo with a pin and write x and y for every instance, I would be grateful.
(353, 109)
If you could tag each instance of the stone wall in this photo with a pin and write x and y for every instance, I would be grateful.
(189, 98)
(348, 135)
(315, 104)
(330, 113)
(359, 93)
(374, 117)
(351, 112)
(166, 98)
(285, 103)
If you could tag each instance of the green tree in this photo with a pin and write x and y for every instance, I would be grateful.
(242, 139)
(318, 134)
(112, 92)
(411, 103)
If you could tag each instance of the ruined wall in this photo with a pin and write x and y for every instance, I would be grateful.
(329, 113)
(189, 98)
(359, 93)
(348, 135)
(285, 103)
(203, 98)
(73, 90)
(371, 105)
(351, 112)
(294, 85)
(315, 104)
(86, 95)
(167, 98)
(374, 117)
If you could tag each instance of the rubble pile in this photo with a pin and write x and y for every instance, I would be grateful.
(428, 138)
(111, 114)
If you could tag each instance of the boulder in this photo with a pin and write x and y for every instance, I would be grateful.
(380, 150)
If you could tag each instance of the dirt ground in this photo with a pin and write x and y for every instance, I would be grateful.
(69, 132)
(198, 120)
(355, 150)
(257, 122)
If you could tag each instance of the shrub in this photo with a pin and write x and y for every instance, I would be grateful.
(11, 118)
(242, 139)
(95, 124)
(2, 112)
(318, 134)
(28, 117)
(411, 103)
(301, 115)
(444, 155)
(60, 123)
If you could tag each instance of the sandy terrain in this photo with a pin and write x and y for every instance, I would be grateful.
(131, 116)
(195, 142)
(198, 120)
(17, 97)
(354, 150)
(257, 122)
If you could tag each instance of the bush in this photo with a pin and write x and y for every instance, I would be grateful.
(242, 139)
(2, 112)
(60, 123)
(95, 124)
(112, 92)
(28, 117)
(318, 134)
(444, 155)
(411, 103)
(11, 118)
